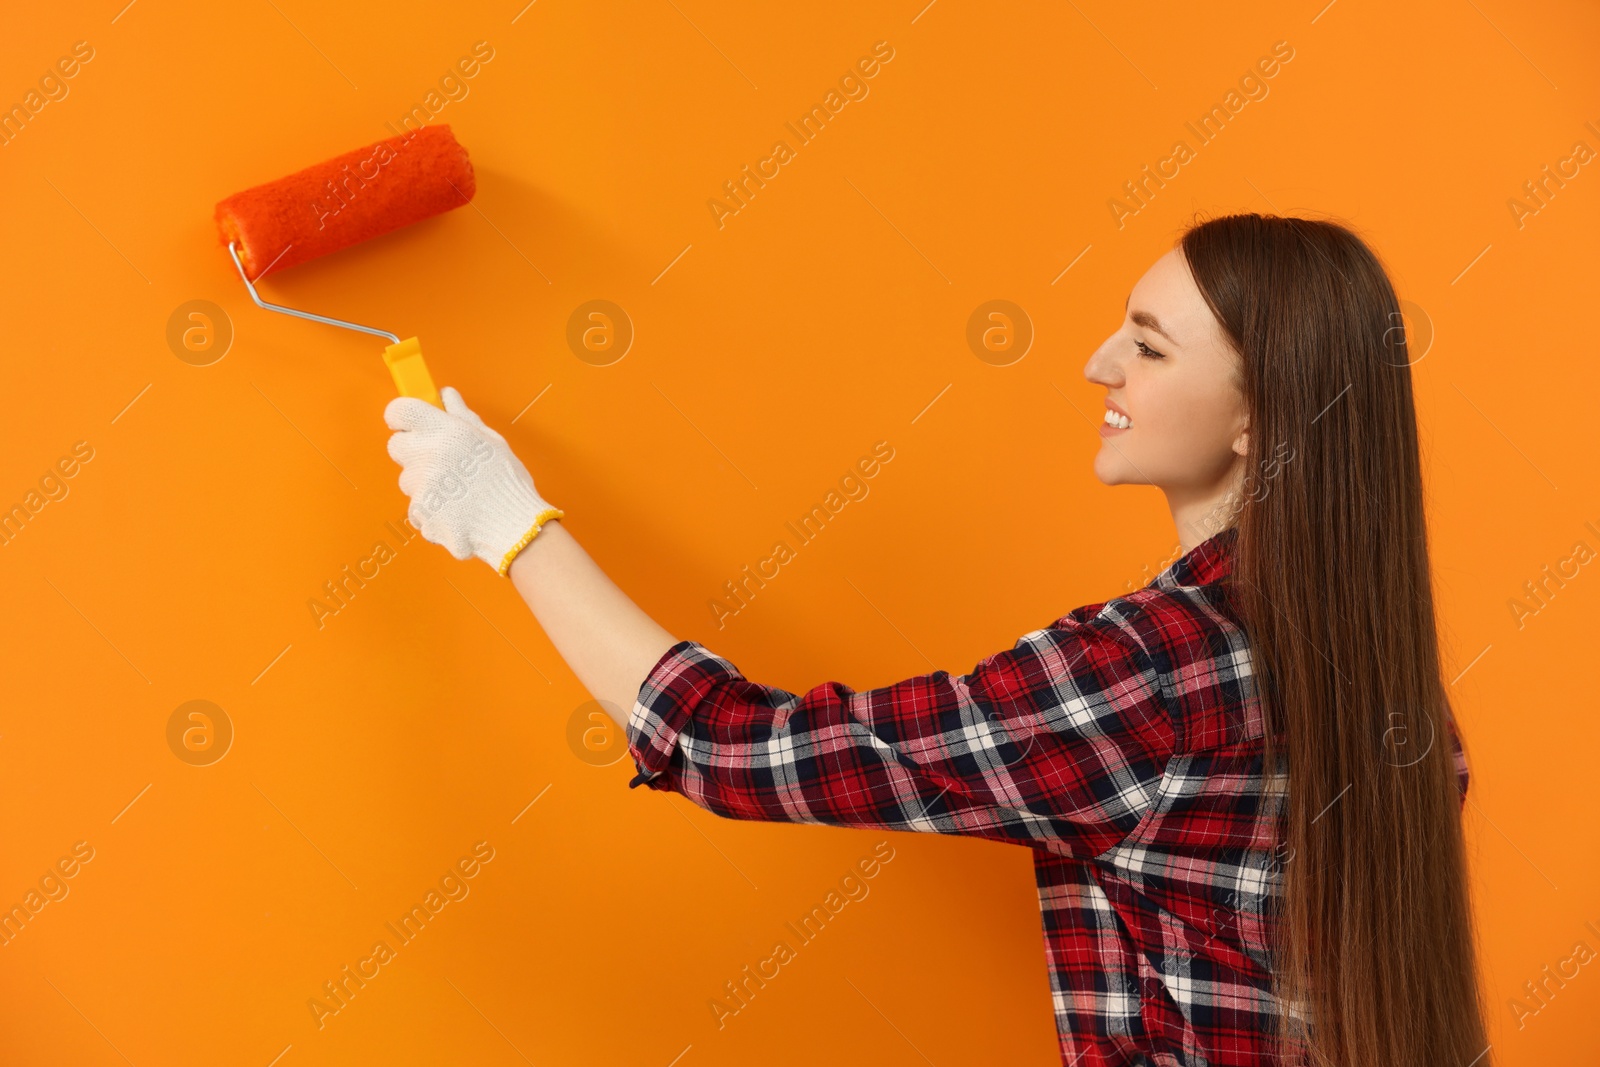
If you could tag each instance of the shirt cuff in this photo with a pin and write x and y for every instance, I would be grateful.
(672, 690)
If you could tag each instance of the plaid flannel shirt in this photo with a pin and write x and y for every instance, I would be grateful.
(1121, 744)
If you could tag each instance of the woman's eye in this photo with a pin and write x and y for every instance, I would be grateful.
(1147, 352)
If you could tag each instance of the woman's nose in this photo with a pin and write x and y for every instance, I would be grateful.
(1102, 367)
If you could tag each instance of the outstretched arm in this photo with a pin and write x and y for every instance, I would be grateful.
(470, 493)
(1060, 741)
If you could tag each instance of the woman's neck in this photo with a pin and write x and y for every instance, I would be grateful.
(1200, 515)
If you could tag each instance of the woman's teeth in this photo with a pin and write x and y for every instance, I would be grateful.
(1121, 422)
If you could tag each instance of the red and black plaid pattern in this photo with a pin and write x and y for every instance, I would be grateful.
(1121, 744)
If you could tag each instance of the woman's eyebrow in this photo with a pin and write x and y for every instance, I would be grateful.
(1148, 321)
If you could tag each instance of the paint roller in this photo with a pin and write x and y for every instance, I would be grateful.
(344, 201)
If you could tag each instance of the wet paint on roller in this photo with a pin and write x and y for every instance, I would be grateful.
(346, 200)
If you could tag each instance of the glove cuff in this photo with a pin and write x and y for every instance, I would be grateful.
(550, 512)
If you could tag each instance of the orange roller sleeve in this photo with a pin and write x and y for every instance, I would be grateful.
(346, 200)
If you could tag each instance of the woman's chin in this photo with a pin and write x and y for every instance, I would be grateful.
(1112, 468)
(1109, 467)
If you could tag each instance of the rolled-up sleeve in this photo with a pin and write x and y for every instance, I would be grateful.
(1061, 740)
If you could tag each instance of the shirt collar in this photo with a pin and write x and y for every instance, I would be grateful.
(1209, 561)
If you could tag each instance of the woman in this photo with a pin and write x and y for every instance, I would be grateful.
(1196, 909)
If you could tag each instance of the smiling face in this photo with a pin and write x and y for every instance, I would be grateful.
(1170, 373)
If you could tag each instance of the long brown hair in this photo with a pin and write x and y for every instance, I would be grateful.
(1331, 580)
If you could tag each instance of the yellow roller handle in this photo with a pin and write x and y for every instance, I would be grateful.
(410, 373)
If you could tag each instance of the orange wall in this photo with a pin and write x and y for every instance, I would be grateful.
(826, 315)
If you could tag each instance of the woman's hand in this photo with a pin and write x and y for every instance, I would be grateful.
(469, 492)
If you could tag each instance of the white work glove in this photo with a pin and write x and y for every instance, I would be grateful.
(469, 492)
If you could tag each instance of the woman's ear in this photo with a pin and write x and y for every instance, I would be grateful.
(1241, 444)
